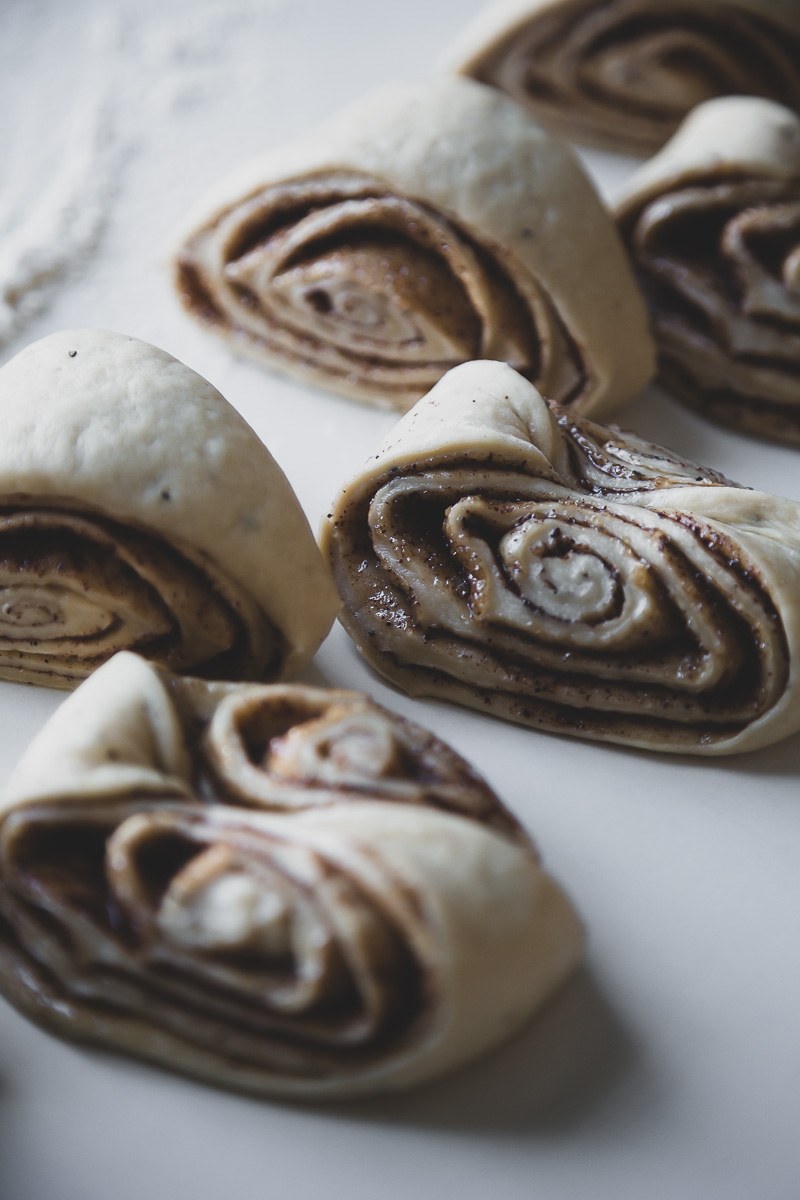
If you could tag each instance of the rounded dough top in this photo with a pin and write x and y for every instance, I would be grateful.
(726, 137)
(126, 429)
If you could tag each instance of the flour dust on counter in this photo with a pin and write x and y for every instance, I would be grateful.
(56, 189)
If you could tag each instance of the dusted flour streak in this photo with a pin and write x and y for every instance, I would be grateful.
(54, 218)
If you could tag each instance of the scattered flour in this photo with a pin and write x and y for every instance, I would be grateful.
(47, 230)
(62, 160)
(69, 144)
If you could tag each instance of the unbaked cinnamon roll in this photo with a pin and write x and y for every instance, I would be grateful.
(504, 554)
(138, 510)
(713, 228)
(275, 888)
(420, 228)
(624, 73)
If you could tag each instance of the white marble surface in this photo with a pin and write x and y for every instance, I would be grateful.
(670, 1070)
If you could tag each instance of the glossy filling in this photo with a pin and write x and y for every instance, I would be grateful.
(371, 292)
(563, 603)
(76, 587)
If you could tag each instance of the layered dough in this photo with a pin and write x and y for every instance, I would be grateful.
(624, 73)
(713, 228)
(421, 227)
(275, 888)
(139, 511)
(499, 552)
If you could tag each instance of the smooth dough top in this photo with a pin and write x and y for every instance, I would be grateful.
(126, 429)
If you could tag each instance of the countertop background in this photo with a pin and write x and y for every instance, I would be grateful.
(669, 1069)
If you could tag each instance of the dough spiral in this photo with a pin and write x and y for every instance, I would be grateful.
(420, 228)
(624, 73)
(503, 554)
(137, 510)
(713, 228)
(279, 889)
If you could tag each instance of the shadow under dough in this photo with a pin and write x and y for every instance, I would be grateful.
(546, 1080)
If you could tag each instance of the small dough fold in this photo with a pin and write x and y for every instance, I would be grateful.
(501, 553)
(419, 228)
(275, 888)
(139, 511)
